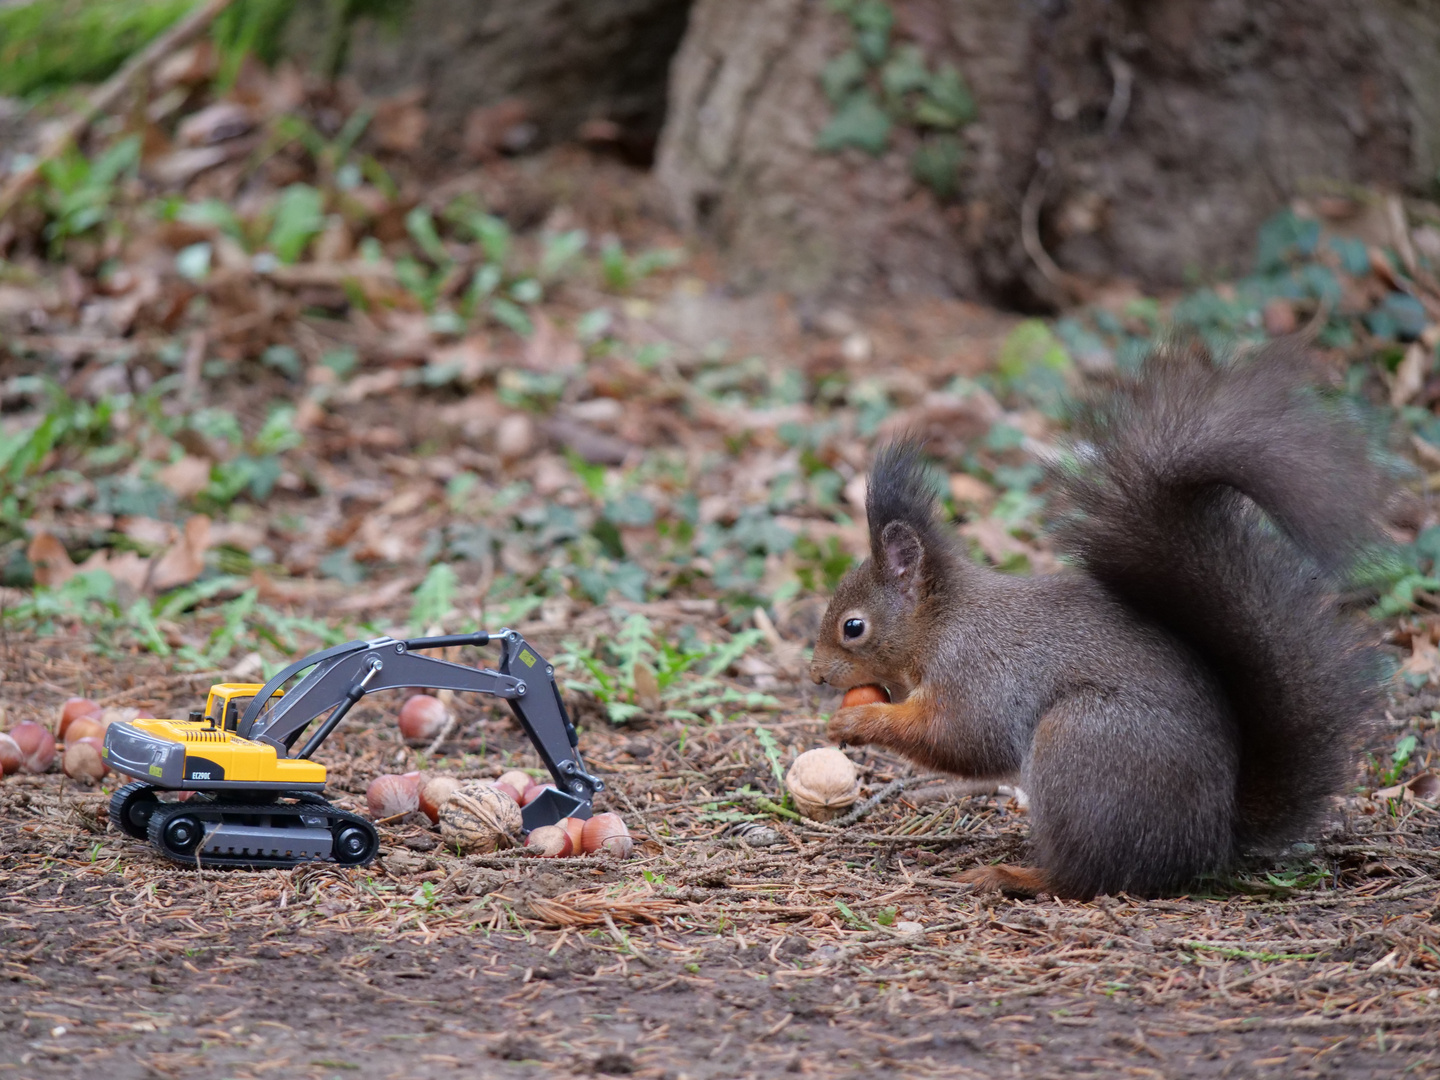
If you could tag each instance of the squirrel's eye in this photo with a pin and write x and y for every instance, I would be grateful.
(854, 628)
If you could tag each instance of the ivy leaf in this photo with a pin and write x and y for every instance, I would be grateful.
(1320, 282)
(873, 20)
(1354, 258)
(861, 123)
(631, 509)
(299, 218)
(947, 103)
(433, 598)
(1399, 316)
(421, 227)
(1283, 236)
(905, 72)
(936, 164)
(842, 75)
(559, 250)
(1034, 363)
(628, 579)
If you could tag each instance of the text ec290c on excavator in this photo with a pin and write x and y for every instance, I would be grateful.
(258, 802)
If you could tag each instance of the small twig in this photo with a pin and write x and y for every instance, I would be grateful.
(888, 939)
(110, 92)
(1030, 231)
(451, 718)
(1311, 330)
(1124, 76)
(865, 806)
(625, 943)
(644, 818)
(1253, 1023)
(1431, 886)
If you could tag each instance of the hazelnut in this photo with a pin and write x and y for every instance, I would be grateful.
(87, 726)
(11, 756)
(576, 828)
(390, 795)
(433, 793)
(869, 694)
(36, 744)
(516, 778)
(82, 759)
(606, 832)
(422, 717)
(534, 791)
(508, 791)
(115, 716)
(549, 842)
(823, 783)
(75, 706)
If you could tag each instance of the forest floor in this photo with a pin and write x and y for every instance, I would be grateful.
(281, 394)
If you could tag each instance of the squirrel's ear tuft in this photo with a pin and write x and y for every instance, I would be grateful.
(902, 554)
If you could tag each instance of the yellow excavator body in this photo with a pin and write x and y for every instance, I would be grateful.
(215, 757)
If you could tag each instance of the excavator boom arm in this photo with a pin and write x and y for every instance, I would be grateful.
(340, 676)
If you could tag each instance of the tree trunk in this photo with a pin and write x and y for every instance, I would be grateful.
(568, 61)
(1146, 138)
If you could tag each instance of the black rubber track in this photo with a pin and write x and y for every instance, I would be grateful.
(124, 800)
(307, 804)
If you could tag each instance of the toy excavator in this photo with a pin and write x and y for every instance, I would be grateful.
(257, 804)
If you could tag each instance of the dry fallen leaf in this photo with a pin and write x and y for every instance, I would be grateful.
(184, 165)
(490, 129)
(1279, 317)
(1410, 375)
(470, 359)
(185, 561)
(189, 66)
(215, 123)
(1425, 787)
(647, 687)
(185, 477)
(149, 531)
(1386, 962)
(995, 540)
(399, 123)
(236, 534)
(549, 350)
(126, 568)
(374, 600)
(52, 563)
(971, 490)
(370, 384)
(1424, 658)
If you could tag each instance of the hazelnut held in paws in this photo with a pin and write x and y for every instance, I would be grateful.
(865, 695)
(1191, 687)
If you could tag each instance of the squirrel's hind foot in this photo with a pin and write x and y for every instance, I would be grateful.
(1010, 880)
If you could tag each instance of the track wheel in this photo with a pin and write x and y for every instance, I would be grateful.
(131, 807)
(355, 844)
(175, 831)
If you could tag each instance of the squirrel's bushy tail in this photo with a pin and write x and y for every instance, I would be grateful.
(1225, 502)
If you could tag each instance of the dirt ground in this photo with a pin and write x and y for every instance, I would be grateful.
(552, 413)
(833, 952)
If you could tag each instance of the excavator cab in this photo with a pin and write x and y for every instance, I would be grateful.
(228, 702)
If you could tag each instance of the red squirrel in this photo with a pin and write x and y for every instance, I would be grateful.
(1189, 688)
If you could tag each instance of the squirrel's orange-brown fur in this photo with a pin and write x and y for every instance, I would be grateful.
(1190, 689)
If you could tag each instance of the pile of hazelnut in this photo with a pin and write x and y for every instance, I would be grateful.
(480, 816)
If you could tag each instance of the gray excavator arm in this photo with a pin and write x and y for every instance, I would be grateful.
(340, 676)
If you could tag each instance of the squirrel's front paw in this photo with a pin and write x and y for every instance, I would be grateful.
(848, 726)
